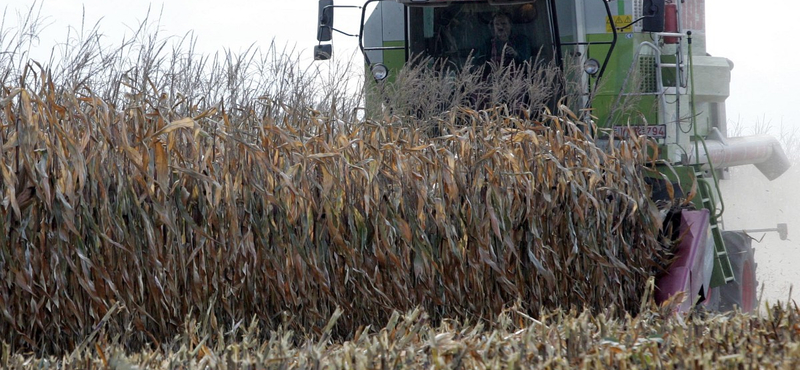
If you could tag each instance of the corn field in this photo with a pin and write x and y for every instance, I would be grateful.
(164, 210)
(134, 217)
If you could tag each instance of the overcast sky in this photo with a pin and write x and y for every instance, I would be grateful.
(754, 35)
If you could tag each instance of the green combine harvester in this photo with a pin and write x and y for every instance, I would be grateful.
(644, 70)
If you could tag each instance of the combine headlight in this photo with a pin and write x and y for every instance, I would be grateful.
(592, 66)
(380, 72)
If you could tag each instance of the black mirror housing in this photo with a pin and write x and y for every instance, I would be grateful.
(653, 13)
(325, 20)
(323, 52)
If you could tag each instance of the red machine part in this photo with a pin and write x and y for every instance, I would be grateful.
(671, 22)
(690, 270)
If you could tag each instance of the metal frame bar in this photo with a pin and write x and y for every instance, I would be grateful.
(361, 33)
(365, 49)
(559, 45)
(556, 33)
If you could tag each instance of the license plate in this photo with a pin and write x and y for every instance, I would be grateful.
(655, 131)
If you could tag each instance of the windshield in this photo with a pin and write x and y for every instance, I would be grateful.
(482, 33)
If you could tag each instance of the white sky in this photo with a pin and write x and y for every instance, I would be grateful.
(754, 35)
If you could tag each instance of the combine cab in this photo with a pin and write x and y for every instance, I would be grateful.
(645, 71)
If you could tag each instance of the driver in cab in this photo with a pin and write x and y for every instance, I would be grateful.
(505, 47)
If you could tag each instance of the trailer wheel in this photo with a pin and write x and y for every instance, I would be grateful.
(742, 291)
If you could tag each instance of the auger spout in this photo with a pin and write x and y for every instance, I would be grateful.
(765, 152)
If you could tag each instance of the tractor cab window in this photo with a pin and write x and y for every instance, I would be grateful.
(481, 34)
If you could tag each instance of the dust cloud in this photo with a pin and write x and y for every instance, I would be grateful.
(753, 202)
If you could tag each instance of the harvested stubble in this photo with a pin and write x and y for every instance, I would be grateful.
(559, 340)
(128, 219)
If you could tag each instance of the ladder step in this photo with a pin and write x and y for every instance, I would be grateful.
(669, 65)
(640, 94)
(670, 90)
(670, 34)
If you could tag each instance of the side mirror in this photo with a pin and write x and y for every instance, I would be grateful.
(653, 13)
(323, 52)
(325, 22)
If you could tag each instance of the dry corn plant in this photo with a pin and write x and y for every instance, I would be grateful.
(790, 138)
(556, 340)
(171, 188)
(639, 82)
(428, 90)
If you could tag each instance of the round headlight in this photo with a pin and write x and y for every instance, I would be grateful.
(592, 66)
(380, 72)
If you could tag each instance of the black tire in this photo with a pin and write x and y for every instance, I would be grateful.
(742, 291)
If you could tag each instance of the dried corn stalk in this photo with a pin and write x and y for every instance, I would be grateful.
(287, 214)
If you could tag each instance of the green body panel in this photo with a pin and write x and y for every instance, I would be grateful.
(393, 59)
(634, 110)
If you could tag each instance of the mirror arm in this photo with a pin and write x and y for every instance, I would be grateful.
(322, 18)
(345, 33)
